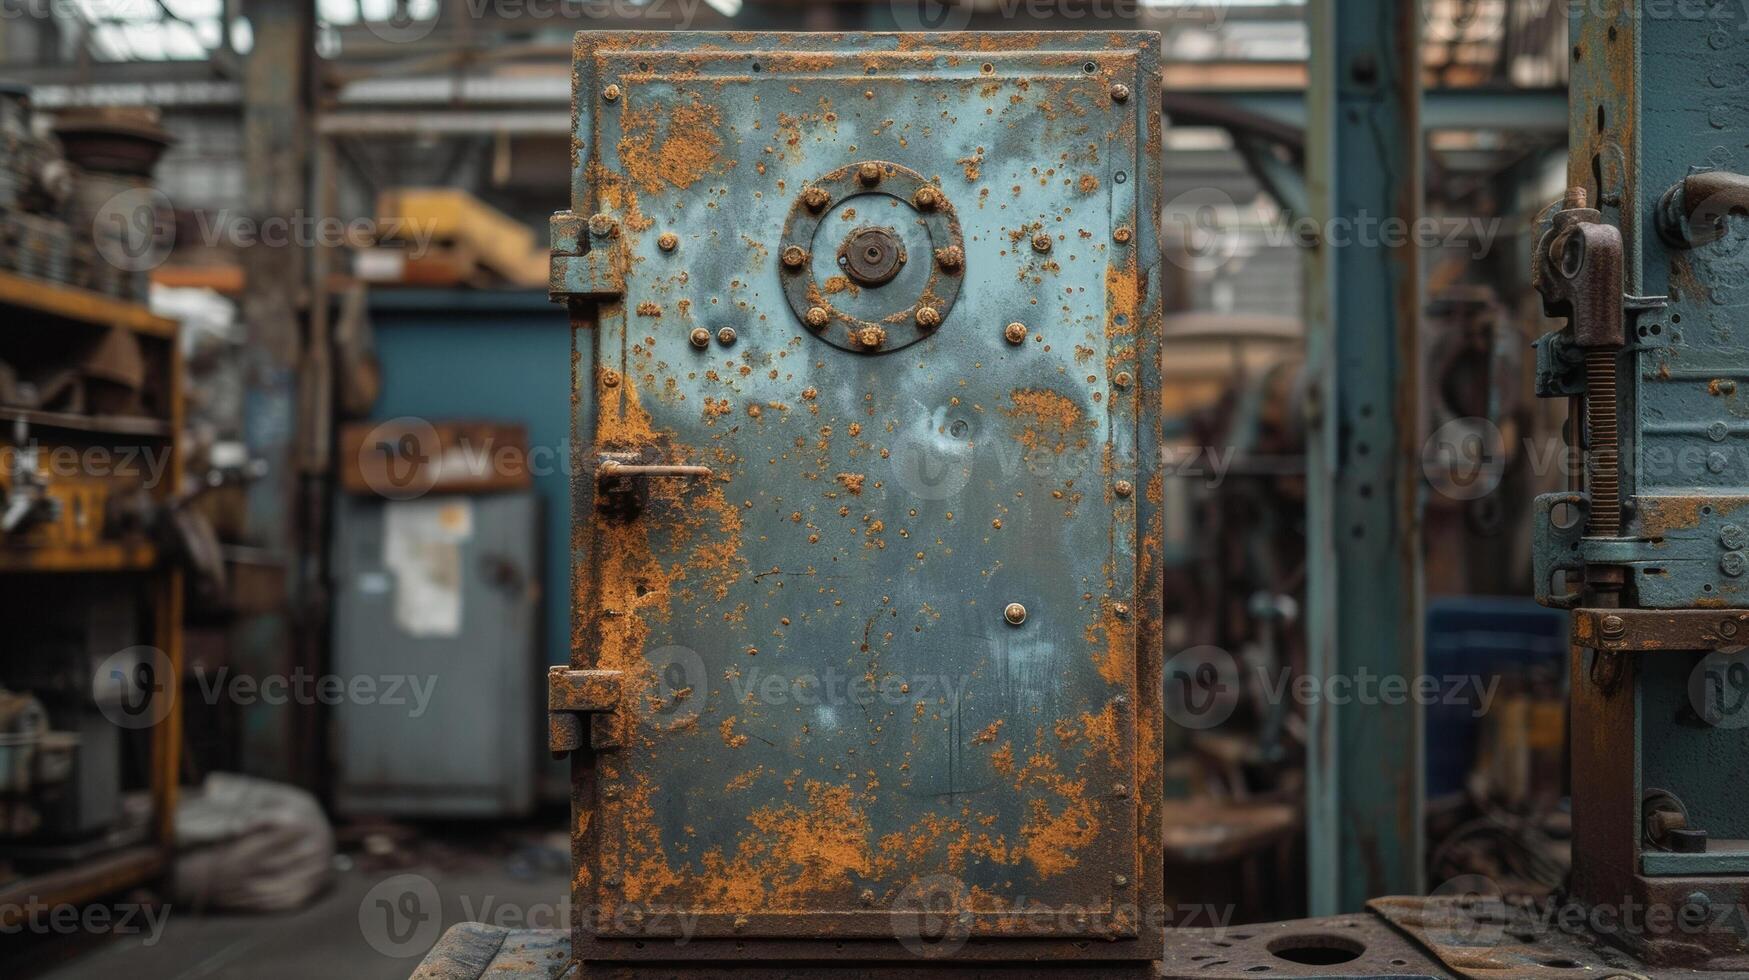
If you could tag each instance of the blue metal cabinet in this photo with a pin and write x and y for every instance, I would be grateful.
(434, 627)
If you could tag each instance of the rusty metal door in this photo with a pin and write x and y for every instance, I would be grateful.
(866, 533)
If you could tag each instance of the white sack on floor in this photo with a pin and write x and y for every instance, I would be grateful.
(249, 845)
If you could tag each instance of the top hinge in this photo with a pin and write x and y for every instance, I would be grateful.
(588, 258)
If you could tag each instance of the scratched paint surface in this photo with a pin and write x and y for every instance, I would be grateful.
(826, 703)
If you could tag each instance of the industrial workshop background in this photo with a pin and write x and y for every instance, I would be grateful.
(307, 325)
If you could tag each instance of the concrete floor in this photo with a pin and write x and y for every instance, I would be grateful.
(369, 925)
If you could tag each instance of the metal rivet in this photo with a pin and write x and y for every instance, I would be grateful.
(1614, 627)
(740, 922)
(668, 241)
(869, 173)
(1015, 333)
(603, 226)
(951, 257)
(1121, 790)
(868, 896)
(1124, 488)
(1122, 380)
(794, 257)
(927, 198)
(928, 317)
(816, 198)
(1734, 563)
(1121, 881)
(818, 317)
(726, 336)
(611, 93)
(701, 338)
(1041, 243)
(1015, 614)
(1122, 235)
(1728, 627)
(871, 337)
(1120, 610)
(610, 379)
(1120, 93)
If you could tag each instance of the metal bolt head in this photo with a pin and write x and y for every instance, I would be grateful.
(794, 257)
(818, 317)
(1120, 790)
(740, 922)
(700, 337)
(1123, 488)
(951, 258)
(869, 173)
(816, 198)
(1015, 614)
(1123, 235)
(927, 198)
(1120, 610)
(726, 336)
(668, 241)
(928, 317)
(1120, 92)
(1728, 628)
(1041, 243)
(871, 337)
(603, 226)
(1122, 379)
(1121, 881)
(1614, 627)
(611, 93)
(1015, 333)
(868, 896)
(1734, 563)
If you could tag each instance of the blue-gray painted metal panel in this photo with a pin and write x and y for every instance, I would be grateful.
(828, 709)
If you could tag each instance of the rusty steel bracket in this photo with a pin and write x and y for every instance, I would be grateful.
(572, 695)
(1653, 630)
(588, 260)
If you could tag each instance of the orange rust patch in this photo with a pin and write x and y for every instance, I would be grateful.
(677, 150)
(852, 482)
(730, 738)
(1049, 420)
(988, 735)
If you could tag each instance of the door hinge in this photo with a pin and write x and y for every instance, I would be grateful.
(574, 694)
(588, 260)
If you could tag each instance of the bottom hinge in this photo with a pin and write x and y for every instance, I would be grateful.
(572, 696)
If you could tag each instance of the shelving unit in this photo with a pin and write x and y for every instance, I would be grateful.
(33, 305)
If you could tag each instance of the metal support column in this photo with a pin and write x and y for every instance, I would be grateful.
(1363, 302)
(276, 143)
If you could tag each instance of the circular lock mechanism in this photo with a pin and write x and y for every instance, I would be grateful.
(872, 256)
(868, 293)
